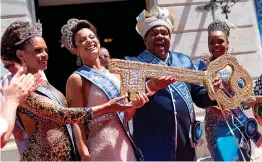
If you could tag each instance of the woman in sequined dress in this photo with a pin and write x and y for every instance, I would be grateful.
(221, 142)
(107, 137)
(44, 113)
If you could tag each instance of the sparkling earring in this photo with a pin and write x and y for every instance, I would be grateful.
(78, 61)
(24, 66)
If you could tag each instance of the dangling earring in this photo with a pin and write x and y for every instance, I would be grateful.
(78, 61)
(227, 49)
(24, 66)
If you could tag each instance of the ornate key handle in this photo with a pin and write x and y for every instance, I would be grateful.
(134, 74)
(238, 94)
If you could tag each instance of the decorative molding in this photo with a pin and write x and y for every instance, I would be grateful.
(183, 4)
(244, 52)
(70, 2)
(205, 29)
(232, 53)
(173, 4)
(13, 16)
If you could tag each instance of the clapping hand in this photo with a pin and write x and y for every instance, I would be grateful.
(20, 86)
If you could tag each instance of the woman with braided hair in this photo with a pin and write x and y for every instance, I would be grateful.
(222, 145)
(44, 114)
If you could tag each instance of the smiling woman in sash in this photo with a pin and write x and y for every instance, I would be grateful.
(91, 85)
(44, 114)
(222, 143)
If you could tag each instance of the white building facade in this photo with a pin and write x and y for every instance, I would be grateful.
(189, 35)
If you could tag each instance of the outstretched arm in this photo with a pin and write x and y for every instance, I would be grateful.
(201, 96)
(199, 93)
(42, 106)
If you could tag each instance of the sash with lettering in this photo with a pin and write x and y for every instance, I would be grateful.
(182, 90)
(112, 91)
(54, 98)
(179, 87)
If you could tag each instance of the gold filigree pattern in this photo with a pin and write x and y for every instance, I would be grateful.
(133, 75)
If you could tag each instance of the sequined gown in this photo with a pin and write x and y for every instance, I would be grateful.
(107, 140)
(50, 140)
(220, 141)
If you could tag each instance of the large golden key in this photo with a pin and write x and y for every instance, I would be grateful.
(133, 75)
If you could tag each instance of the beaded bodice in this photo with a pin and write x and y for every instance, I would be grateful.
(107, 139)
(50, 140)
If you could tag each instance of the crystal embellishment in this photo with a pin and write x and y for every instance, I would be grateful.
(133, 75)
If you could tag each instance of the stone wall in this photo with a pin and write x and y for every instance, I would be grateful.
(13, 10)
(190, 35)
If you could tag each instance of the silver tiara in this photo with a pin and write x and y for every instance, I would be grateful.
(67, 34)
(219, 25)
(28, 32)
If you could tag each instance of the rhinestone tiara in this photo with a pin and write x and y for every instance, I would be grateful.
(67, 34)
(29, 32)
(219, 25)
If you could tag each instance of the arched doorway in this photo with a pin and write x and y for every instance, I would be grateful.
(114, 20)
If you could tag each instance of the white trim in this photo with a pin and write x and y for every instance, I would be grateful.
(31, 9)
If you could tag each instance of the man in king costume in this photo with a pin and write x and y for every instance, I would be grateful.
(162, 129)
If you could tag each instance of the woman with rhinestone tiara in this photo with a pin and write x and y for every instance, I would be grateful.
(91, 85)
(44, 114)
(222, 145)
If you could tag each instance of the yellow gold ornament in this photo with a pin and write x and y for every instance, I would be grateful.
(133, 75)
